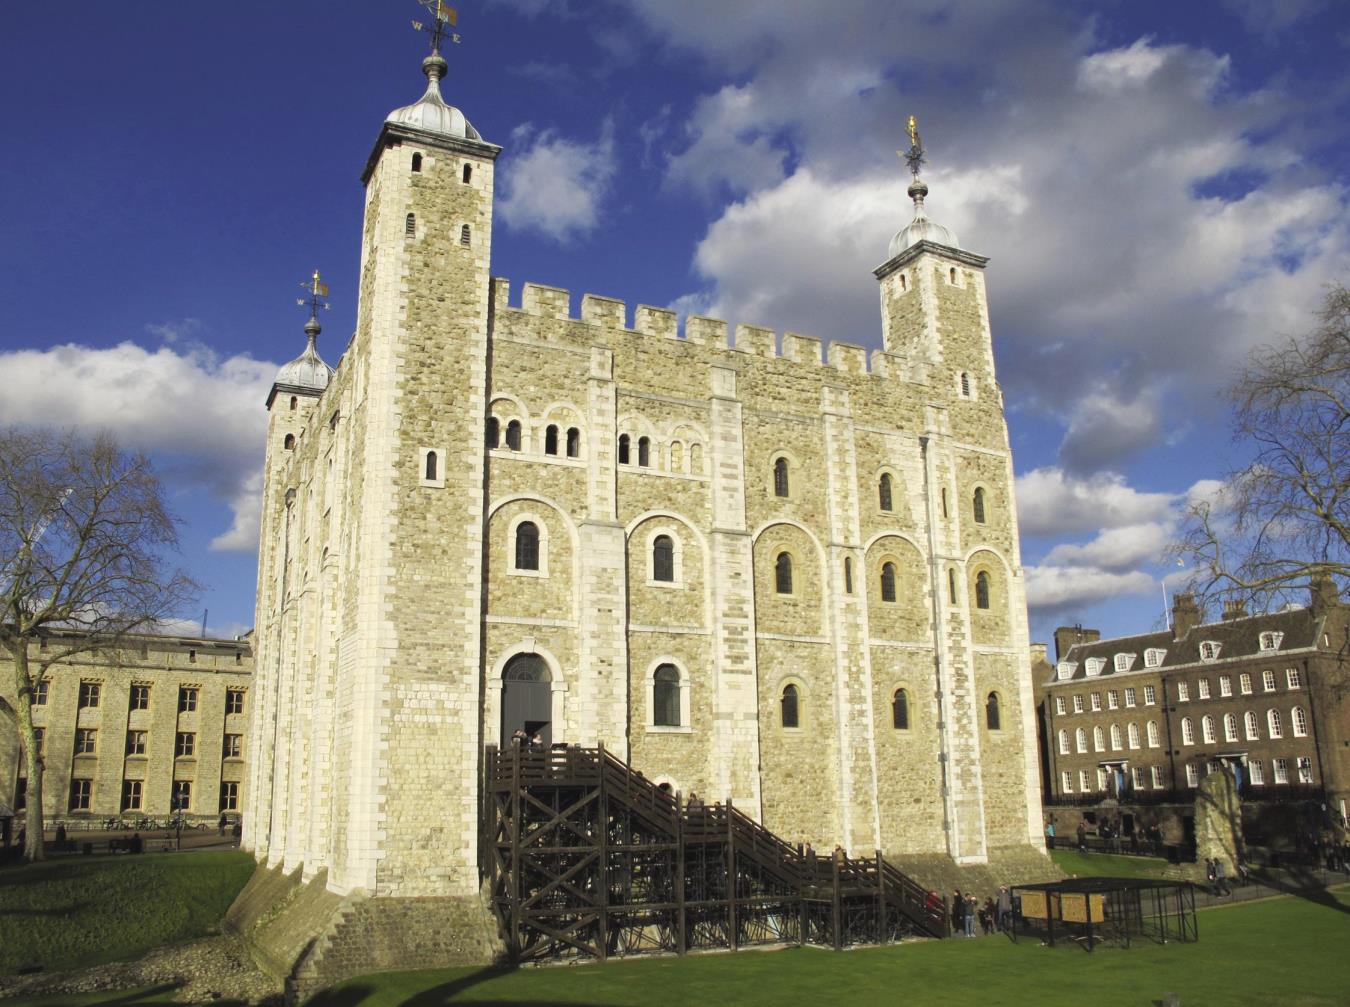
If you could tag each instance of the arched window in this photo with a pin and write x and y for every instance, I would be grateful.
(551, 440)
(1274, 724)
(1300, 721)
(431, 466)
(1153, 734)
(1253, 726)
(1207, 729)
(465, 235)
(1187, 731)
(1132, 735)
(1080, 740)
(527, 546)
(417, 162)
(992, 716)
(904, 283)
(1063, 742)
(468, 174)
(410, 225)
(965, 384)
(289, 442)
(623, 449)
(494, 432)
(677, 457)
(1098, 740)
(782, 573)
(1115, 737)
(848, 575)
(790, 712)
(1230, 731)
(951, 274)
(513, 435)
(663, 559)
(573, 442)
(780, 477)
(884, 491)
(982, 590)
(979, 506)
(900, 710)
(666, 696)
(696, 459)
(295, 401)
(944, 501)
(644, 452)
(888, 582)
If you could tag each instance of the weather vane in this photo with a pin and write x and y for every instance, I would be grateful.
(443, 18)
(914, 156)
(317, 298)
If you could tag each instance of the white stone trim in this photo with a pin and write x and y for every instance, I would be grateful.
(492, 698)
(511, 569)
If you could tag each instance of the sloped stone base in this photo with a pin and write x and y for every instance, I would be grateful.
(310, 938)
(1008, 865)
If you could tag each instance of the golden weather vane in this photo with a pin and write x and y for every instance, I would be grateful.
(443, 18)
(317, 295)
(914, 156)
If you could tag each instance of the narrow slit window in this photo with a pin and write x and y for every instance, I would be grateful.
(848, 575)
(468, 174)
(965, 385)
(410, 225)
(780, 477)
(982, 590)
(900, 710)
(951, 586)
(790, 711)
(992, 715)
(884, 491)
(573, 442)
(417, 162)
(782, 573)
(431, 466)
(551, 440)
(888, 582)
(644, 452)
(289, 442)
(465, 235)
(979, 506)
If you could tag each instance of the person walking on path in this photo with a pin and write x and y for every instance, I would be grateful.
(1220, 881)
(972, 903)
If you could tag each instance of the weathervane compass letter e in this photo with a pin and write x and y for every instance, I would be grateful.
(443, 18)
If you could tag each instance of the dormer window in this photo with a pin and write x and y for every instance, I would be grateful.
(1154, 657)
(1271, 641)
(1095, 665)
(1065, 669)
(1124, 662)
(1209, 650)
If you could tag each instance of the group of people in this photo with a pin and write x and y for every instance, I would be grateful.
(1217, 875)
(994, 915)
(522, 740)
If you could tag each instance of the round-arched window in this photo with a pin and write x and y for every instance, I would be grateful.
(900, 710)
(527, 546)
(663, 559)
(666, 696)
(992, 715)
(789, 706)
(782, 573)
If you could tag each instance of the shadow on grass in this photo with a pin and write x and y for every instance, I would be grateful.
(352, 996)
(1307, 885)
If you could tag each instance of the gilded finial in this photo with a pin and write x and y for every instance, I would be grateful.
(316, 297)
(443, 18)
(914, 156)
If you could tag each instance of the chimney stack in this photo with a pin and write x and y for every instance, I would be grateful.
(1234, 610)
(1325, 594)
(1185, 615)
(1067, 637)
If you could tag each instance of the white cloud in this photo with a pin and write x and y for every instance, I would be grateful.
(1053, 502)
(731, 145)
(1050, 587)
(203, 412)
(1103, 428)
(1115, 549)
(553, 185)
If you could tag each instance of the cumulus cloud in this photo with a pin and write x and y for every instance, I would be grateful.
(555, 186)
(1115, 549)
(1050, 501)
(1103, 428)
(1054, 588)
(202, 412)
(731, 145)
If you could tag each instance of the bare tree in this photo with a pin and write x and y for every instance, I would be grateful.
(83, 533)
(1283, 520)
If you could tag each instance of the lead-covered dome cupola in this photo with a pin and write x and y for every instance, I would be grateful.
(430, 113)
(922, 227)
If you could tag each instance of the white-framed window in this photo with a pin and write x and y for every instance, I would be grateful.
(1065, 669)
(1271, 641)
(1253, 725)
(1098, 739)
(1094, 666)
(1063, 742)
(1230, 730)
(1273, 724)
(1150, 695)
(1124, 662)
(1245, 683)
(1304, 765)
(1202, 688)
(1096, 698)
(1080, 740)
(1115, 738)
(1281, 771)
(1066, 782)
(1183, 692)
(1291, 678)
(1225, 685)
(1268, 681)
(1112, 699)
(1130, 696)
(667, 697)
(1077, 704)
(1192, 775)
(1101, 778)
(1257, 771)
(1207, 729)
(1154, 657)
(1187, 731)
(1153, 737)
(1300, 721)
(431, 467)
(1157, 777)
(1061, 707)
(1210, 650)
(1132, 735)
(1084, 784)
(1140, 777)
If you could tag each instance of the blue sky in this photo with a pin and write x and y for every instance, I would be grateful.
(1159, 186)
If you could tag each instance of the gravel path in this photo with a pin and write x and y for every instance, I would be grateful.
(214, 969)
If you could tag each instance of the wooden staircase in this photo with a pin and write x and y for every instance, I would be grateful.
(586, 857)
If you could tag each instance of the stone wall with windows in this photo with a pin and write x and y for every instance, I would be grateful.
(124, 730)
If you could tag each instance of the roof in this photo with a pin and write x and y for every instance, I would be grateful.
(1237, 639)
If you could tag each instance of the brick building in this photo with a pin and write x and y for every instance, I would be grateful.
(1141, 720)
(126, 733)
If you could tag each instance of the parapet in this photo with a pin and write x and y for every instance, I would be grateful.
(544, 301)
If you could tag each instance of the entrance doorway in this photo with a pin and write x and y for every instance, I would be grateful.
(527, 698)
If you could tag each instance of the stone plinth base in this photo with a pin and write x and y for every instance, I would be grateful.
(310, 938)
(1008, 865)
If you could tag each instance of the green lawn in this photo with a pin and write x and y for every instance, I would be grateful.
(76, 911)
(1106, 865)
(1286, 952)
